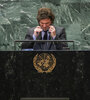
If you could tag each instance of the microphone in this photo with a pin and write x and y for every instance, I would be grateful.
(49, 33)
(37, 32)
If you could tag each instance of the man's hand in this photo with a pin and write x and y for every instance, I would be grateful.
(52, 31)
(37, 31)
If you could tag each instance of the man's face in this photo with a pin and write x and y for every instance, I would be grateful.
(45, 23)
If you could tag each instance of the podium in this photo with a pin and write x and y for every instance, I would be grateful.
(68, 80)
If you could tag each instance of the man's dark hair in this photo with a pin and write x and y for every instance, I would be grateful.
(44, 13)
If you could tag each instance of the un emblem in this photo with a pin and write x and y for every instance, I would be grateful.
(44, 62)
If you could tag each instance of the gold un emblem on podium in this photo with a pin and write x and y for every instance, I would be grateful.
(44, 62)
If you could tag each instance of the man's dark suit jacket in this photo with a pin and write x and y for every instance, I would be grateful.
(60, 35)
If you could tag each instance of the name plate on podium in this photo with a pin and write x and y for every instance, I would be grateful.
(44, 99)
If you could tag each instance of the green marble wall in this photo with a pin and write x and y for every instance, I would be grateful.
(17, 15)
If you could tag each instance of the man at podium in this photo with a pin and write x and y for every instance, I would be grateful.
(45, 31)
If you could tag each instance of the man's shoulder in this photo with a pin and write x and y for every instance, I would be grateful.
(59, 28)
(31, 28)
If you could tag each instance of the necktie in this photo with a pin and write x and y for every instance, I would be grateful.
(45, 35)
(44, 44)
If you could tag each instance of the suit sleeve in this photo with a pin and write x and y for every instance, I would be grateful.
(29, 36)
(61, 36)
